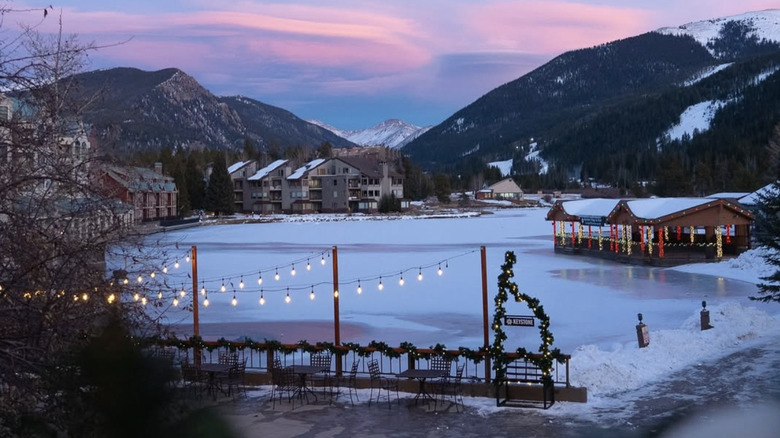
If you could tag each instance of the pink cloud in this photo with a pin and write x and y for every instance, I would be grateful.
(552, 27)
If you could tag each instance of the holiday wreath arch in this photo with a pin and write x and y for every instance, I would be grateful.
(546, 357)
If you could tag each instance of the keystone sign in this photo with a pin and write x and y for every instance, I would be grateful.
(520, 321)
(596, 221)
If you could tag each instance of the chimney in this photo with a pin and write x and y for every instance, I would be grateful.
(158, 167)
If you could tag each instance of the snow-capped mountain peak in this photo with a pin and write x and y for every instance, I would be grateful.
(763, 25)
(393, 133)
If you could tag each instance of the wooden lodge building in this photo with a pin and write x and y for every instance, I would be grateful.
(655, 231)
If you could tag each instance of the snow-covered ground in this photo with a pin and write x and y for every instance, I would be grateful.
(593, 304)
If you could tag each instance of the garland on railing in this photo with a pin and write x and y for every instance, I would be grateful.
(500, 359)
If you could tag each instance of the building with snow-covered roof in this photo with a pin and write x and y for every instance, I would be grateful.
(265, 188)
(664, 231)
(152, 194)
(239, 172)
(504, 190)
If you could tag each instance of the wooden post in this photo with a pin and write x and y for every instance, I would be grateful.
(336, 293)
(195, 322)
(485, 326)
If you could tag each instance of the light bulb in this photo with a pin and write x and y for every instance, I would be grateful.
(175, 302)
(335, 294)
(139, 279)
(152, 274)
(241, 283)
(380, 286)
(176, 264)
(222, 288)
(322, 261)
(308, 266)
(360, 289)
(311, 295)
(234, 301)
(262, 299)
(419, 275)
(203, 289)
(84, 296)
(259, 279)
(182, 292)
(159, 295)
(187, 258)
(165, 270)
(125, 281)
(276, 275)
(206, 301)
(143, 301)
(287, 298)
(136, 296)
(292, 271)
(439, 271)
(111, 298)
(401, 280)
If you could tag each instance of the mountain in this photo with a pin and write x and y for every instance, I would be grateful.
(393, 133)
(138, 110)
(608, 112)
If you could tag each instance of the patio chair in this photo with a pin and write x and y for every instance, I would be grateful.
(235, 378)
(323, 380)
(349, 382)
(381, 383)
(192, 379)
(228, 358)
(284, 381)
(442, 364)
(451, 387)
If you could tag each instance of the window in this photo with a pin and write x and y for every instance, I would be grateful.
(335, 182)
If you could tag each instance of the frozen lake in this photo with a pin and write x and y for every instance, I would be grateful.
(589, 301)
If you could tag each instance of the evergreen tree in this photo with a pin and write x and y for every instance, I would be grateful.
(768, 235)
(219, 190)
(193, 177)
(442, 187)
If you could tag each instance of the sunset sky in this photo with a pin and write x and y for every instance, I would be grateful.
(356, 63)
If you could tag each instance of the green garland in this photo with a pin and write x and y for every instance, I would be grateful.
(500, 359)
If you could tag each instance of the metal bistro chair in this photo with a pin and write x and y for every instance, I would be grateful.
(381, 384)
(322, 380)
(284, 381)
(349, 381)
(442, 364)
(235, 378)
(452, 388)
(192, 379)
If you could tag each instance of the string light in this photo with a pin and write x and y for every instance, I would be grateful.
(176, 264)
(175, 302)
(144, 300)
(440, 272)
(359, 289)
(234, 301)
(182, 292)
(165, 269)
(380, 286)
(125, 281)
(84, 296)
(136, 296)
(401, 280)
(140, 279)
(203, 289)
(322, 261)
(276, 275)
(241, 283)
(111, 298)
(222, 288)
(187, 258)
(335, 293)
(259, 278)
(311, 295)
(206, 301)
(152, 274)
(159, 295)
(262, 299)
(419, 274)
(292, 271)
(287, 298)
(308, 265)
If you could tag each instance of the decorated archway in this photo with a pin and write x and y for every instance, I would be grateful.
(545, 359)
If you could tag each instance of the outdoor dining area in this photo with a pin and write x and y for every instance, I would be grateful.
(316, 380)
